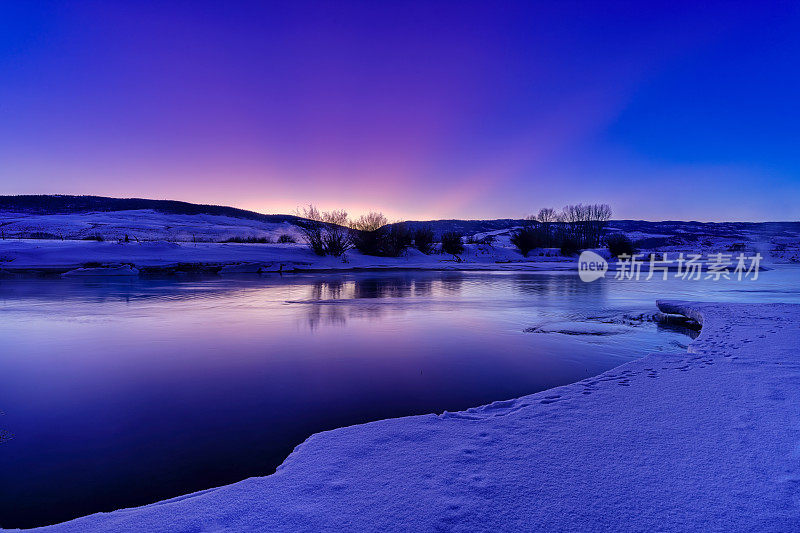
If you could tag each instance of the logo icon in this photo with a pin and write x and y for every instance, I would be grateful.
(591, 266)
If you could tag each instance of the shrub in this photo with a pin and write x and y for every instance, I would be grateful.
(325, 232)
(370, 222)
(336, 244)
(336, 237)
(249, 240)
(367, 242)
(286, 239)
(312, 228)
(42, 235)
(620, 244)
(95, 237)
(312, 231)
(569, 246)
(395, 239)
(526, 239)
(452, 242)
(423, 239)
(486, 239)
(368, 233)
(372, 236)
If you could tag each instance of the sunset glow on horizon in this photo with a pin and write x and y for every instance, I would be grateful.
(421, 110)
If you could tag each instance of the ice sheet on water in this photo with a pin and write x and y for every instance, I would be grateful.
(579, 328)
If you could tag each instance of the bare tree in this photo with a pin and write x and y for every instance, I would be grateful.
(370, 222)
(336, 233)
(311, 228)
(373, 235)
(452, 242)
(326, 232)
(367, 235)
(585, 224)
(547, 215)
(423, 239)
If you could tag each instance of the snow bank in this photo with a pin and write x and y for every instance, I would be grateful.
(245, 268)
(25, 255)
(579, 328)
(701, 441)
(124, 270)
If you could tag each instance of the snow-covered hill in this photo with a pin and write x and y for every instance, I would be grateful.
(139, 225)
(76, 218)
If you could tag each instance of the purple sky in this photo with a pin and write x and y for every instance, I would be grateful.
(417, 109)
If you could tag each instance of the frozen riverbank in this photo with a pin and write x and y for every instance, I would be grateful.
(92, 258)
(704, 440)
(55, 257)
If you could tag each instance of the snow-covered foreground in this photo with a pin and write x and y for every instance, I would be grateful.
(707, 440)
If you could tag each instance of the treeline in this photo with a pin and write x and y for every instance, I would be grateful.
(572, 229)
(333, 233)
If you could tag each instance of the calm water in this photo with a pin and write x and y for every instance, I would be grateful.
(121, 393)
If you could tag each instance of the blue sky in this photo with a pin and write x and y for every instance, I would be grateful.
(418, 109)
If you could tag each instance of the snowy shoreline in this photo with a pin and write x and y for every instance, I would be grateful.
(161, 257)
(699, 440)
(21, 257)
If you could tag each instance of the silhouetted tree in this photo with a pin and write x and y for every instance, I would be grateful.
(547, 215)
(366, 234)
(527, 238)
(620, 244)
(372, 235)
(326, 233)
(423, 239)
(569, 246)
(452, 242)
(395, 239)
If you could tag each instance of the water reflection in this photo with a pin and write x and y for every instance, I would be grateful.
(386, 286)
(563, 285)
(423, 287)
(324, 298)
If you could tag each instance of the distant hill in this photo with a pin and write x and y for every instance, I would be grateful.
(688, 230)
(68, 204)
(467, 227)
(70, 216)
